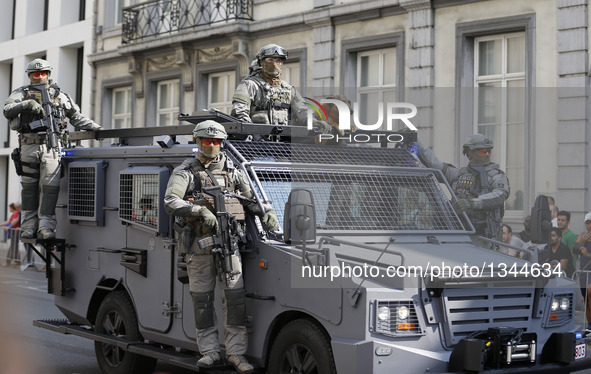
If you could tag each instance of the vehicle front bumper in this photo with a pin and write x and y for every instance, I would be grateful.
(557, 356)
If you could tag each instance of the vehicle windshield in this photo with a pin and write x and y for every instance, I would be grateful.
(369, 189)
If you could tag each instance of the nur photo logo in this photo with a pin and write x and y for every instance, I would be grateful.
(394, 111)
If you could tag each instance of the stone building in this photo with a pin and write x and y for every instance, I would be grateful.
(514, 70)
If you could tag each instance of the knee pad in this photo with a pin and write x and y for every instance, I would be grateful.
(30, 196)
(50, 195)
(235, 307)
(203, 307)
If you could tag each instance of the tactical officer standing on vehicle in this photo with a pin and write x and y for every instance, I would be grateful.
(481, 187)
(263, 97)
(186, 199)
(38, 157)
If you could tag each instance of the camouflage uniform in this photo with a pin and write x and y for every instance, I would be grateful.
(257, 101)
(200, 261)
(40, 166)
(263, 97)
(186, 184)
(466, 184)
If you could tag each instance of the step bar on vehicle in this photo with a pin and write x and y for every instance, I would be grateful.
(187, 360)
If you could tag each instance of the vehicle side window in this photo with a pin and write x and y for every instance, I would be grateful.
(141, 190)
(86, 191)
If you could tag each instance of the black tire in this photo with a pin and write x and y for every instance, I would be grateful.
(301, 347)
(116, 317)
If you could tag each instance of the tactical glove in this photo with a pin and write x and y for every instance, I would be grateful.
(322, 126)
(207, 218)
(463, 205)
(82, 123)
(413, 148)
(270, 221)
(34, 107)
(95, 126)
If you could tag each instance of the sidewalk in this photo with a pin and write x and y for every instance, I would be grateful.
(37, 262)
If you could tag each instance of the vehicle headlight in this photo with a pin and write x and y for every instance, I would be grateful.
(561, 310)
(554, 306)
(402, 312)
(396, 318)
(564, 303)
(383, 313)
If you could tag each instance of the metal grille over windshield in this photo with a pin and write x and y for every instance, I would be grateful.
(330, 155)
(364, 200)
(389, 192)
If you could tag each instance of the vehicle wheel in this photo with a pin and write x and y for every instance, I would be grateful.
(301, 347)
(116, 317)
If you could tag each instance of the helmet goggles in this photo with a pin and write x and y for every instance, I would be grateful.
(483, 151)
(210, 141)
(274, 51)
(39, 74)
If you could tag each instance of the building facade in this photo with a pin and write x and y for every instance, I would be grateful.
(516, 71)
(59, 31)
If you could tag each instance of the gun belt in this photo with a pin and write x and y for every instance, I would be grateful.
(32, 138)
(206, 244)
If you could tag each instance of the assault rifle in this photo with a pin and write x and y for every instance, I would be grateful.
(225, 240)
(50, 123)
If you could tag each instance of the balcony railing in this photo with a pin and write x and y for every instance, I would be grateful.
(162, 17)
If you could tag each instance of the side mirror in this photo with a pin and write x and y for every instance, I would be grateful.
(299, 219)
(541, 222)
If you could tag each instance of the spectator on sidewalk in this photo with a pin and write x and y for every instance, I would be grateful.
(6, 224)
(553, 210)
(582, 246)
(14, 229)
(525, 235)
(568, 237)
(510, 238)
(559, 253)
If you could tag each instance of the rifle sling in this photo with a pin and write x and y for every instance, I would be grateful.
(482, 175)
(211, 176)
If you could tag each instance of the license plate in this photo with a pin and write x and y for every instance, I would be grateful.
(580, 351)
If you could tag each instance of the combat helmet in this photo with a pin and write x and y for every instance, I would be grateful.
(210, 129)
(39, 64)
(272, 50)
(254, 67)
(477, 141)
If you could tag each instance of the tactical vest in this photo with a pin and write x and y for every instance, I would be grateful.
(469, 185)
(224, 178)
(27, 117)
(273, 101)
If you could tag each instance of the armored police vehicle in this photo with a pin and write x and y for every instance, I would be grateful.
(373, 272)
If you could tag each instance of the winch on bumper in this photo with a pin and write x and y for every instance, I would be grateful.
(562, 353)
(512, 350)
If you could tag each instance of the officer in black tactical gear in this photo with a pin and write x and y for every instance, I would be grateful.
(38, 157)
(185, 199)
(263, 97)
(481, 187)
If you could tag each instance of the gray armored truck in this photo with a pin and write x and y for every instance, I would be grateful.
(373, 271)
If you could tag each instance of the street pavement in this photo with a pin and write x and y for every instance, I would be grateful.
(26, 349)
